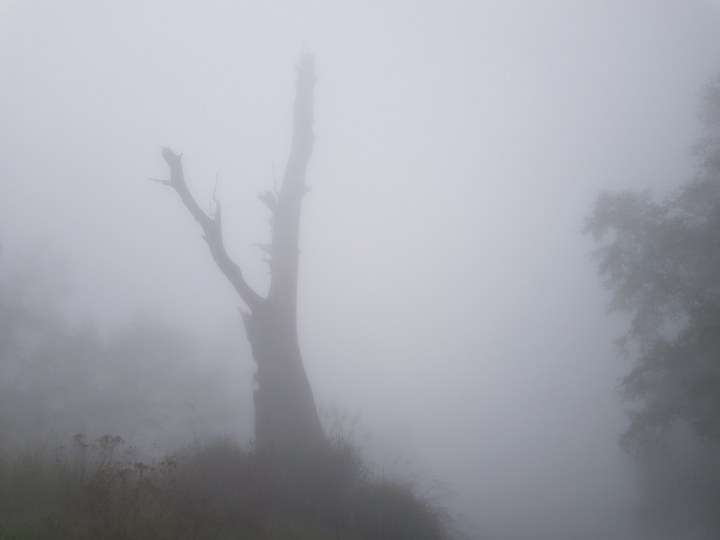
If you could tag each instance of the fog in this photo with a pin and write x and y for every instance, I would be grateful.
(446, 292)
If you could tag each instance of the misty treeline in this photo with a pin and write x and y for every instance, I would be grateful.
(660, 259)
(151, 382)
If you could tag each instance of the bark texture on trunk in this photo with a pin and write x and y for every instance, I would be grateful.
(286, 418)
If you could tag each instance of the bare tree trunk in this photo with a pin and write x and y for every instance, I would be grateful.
(286, 418)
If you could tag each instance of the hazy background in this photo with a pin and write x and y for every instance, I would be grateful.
(445, 290)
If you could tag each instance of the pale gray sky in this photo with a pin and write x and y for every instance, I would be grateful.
(445, 289)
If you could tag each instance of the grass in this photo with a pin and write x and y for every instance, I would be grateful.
(216, 490)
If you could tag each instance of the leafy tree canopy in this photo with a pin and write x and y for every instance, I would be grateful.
(661, 262)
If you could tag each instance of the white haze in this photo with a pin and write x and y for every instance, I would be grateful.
(445, 290)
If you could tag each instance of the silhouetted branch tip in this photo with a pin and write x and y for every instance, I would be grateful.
(163, 182)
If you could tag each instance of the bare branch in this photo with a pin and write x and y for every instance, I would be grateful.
(163, 182)
(269, 199)
(212, 229)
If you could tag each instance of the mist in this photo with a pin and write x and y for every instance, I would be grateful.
(446, 293)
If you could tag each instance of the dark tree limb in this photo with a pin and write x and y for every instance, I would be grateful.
(212, 230)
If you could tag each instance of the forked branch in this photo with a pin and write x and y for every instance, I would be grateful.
(212, 230)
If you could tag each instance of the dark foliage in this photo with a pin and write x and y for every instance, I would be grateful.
(661, 260)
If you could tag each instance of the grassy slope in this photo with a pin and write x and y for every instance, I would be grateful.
(93, 490)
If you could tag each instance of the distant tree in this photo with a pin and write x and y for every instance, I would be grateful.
(661, 261)
(285, 414)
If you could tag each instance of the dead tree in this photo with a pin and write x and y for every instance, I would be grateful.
(286, 418)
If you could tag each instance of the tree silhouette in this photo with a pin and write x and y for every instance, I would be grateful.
(661, 260)
(286, 418)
